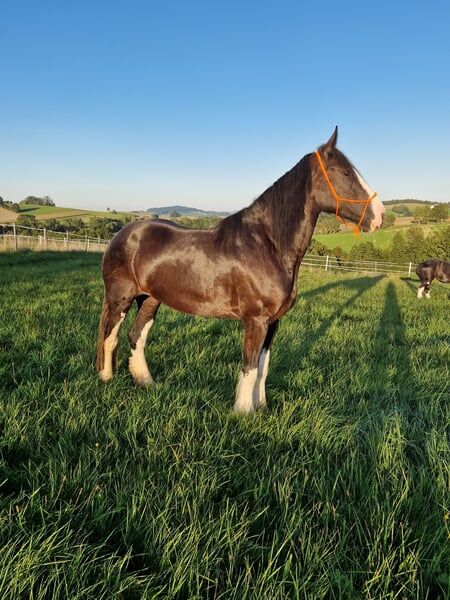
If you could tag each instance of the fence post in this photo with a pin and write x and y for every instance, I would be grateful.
(409, 270)
(45, 238)
(15, 236)
(326, 263)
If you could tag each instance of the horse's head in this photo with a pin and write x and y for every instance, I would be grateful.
(342, 190)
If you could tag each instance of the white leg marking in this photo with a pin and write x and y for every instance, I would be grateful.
(246, 392)
(109, 346)
(263, 369)
(137, 363)
(420, 291)
(427, 294)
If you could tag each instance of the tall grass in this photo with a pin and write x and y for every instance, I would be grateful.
(340, 490)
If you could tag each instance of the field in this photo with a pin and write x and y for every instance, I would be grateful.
(43, 213)
(340, 490)
(380, 238)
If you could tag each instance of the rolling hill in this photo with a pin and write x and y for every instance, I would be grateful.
(186, 211)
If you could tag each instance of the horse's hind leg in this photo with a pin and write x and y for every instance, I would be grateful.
(137, 337)
(247, 392)
(115, 307)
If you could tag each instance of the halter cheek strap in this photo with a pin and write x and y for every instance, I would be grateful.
(339, 199)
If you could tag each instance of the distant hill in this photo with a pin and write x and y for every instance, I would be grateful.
(410, 201)
(186, 211)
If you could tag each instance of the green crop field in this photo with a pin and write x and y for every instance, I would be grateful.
(43, 213)
(339, 491)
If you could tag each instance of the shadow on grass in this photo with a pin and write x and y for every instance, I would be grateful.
(409, 282)
(360, 284)
(292, 358)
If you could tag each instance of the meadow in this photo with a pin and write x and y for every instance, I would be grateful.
(381, 238)
(339, 490)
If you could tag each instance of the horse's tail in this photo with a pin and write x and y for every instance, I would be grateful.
(101, 336)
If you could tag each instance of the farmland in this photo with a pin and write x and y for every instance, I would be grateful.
(42, 213)
(339, 490)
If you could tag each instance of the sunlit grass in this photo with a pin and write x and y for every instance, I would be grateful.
(340, 490)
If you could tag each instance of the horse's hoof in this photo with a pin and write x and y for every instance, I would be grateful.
(145, 382)
(104, 376)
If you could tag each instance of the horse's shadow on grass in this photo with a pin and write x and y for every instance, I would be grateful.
(297, 351)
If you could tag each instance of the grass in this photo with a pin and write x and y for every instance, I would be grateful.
(380, 238)
(340, 490)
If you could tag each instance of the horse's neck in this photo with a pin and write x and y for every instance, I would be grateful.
(292, 243)
(302, 238)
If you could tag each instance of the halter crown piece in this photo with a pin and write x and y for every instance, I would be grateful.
(340, 199)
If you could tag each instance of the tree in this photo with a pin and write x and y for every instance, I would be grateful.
(422, 214)
(365, 251)
(327, 224)
(174, 214)
(26, 220)
(439, 212)
(45, 201)
(318, 248)
(388, 221)
(402, 209)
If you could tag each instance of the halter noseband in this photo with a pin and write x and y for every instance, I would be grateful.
(339, 199)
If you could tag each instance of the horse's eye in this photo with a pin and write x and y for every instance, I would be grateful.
(347, 172)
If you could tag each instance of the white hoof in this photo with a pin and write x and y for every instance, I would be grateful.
(105, 376)
(240, 409)
(144, 382)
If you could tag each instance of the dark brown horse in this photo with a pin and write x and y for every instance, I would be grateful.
(246, 268)
(429, 270)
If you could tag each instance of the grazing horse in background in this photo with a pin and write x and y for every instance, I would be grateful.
(430, 269)
(246, 268)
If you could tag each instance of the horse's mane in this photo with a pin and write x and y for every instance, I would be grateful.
(281, 206)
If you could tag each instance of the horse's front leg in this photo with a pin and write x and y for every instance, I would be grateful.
(263, 364)
(247, 392)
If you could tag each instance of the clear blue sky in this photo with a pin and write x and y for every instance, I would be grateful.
(137, 104)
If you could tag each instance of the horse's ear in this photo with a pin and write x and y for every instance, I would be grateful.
(331, 144)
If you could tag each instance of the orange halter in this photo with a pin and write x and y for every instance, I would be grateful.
(339, 199)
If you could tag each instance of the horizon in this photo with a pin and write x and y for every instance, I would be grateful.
(207, 106)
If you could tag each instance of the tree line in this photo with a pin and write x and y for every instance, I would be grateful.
(409, 245)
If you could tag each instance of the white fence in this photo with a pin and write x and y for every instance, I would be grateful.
(332, 263)
(19, 237)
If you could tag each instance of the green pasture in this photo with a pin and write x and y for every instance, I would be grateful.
(380, 238)
(339, 491)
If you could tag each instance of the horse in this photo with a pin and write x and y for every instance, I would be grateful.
(244, 269)
(430, 269)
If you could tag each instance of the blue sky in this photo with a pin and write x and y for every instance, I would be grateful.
(138, 104)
